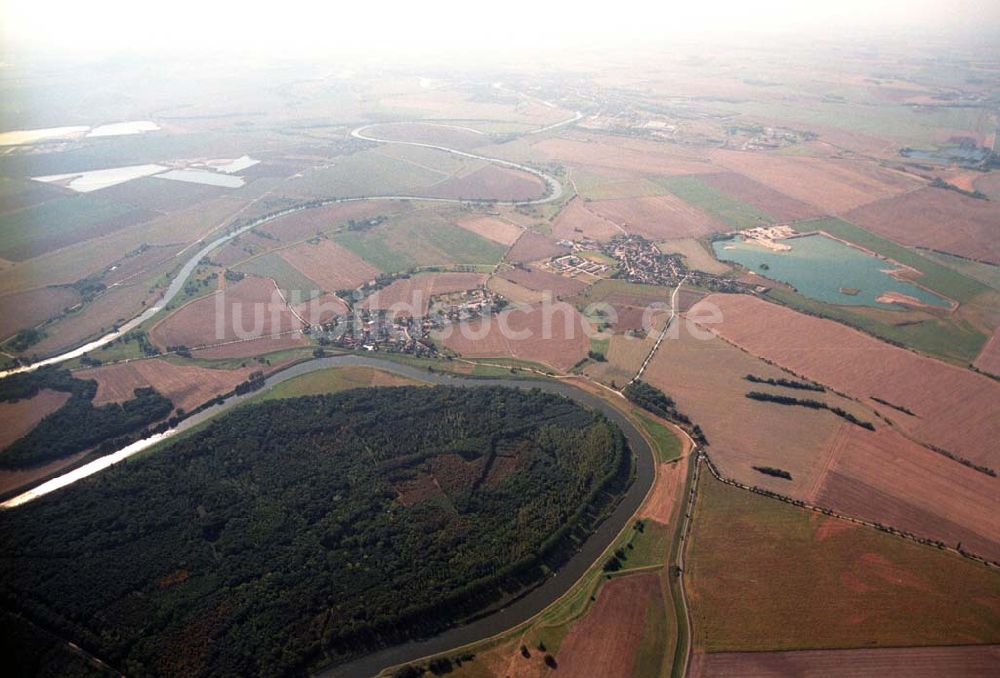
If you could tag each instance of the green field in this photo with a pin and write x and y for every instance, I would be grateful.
(334, 380)
(41, 228)
(667, 445)
(988, 274)
(734, 212)
(292, 282)
(765, 575)
(934, 276)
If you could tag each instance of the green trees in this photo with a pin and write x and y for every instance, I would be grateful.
(285, 531)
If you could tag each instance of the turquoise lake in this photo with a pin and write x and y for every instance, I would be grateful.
(818, 266)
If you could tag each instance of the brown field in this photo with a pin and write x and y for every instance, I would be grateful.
(187, 386)
(988, 359)
(513, 291)
(662, 498)
(22, 310)
(833, 186)
(576, 221)
(605, 642)
(15, 478)
(411, 296)
(658, 217)
(242, 248)
(330, 265)
(631, 155)
(17, 418)
(765, 575)
(937, 219)
(764, 198)
(99, 317)
(261, 312)
(559, 340)
(990, 185)
(955, 409)
(253, 347)
(492, 228)
(307, 223)
(489, 183)
(971, 661)
(544, 281)
(695, 255)
(321, 310)
(532, 246)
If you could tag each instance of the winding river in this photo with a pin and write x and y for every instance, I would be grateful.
(518, 610)
(554, 191)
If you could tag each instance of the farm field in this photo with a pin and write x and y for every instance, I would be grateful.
(187, 386)
(311, 222)
(731, 211)
(249, 308)
(765, 199)
(577, 221)
(637, 157)
(514, 292)
(294, 285)
(492, 228)
(533, 246)
(336, 379)
(658, 218)
(450, 135)
(830, 185)
(807, 581)
(544, 281)
(989, 359)
(22, 310)
(955, 409)
(695, 255)
(490, 182)
(970, 661)
(331, 266)
(915, 219)
(17, 418)
(558, 339)
(412, 295)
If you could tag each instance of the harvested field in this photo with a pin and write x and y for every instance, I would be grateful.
(695, 255)
(918, 219)
(242, 248)
(805, 580)
(988, 359)
(411, 296)
(663, 497)
(833, 186)
(971, 661)
(144, 262)
(636, 156)
(307, 223)
(247, 309)
(491, 183)
(514, 292)
(955, 409)
(332, 266)
(532, 246)
(452, 136)
(888, 478)
(576, 221)
(22, 310)
(321, 310)
(990, 185)
(764, 198)
(492, 228)
(253, 347)
(559, 337)
(17, 418)
(659, 217)
(606, 641)
(99, 317)
(544, 281)
(187, 386)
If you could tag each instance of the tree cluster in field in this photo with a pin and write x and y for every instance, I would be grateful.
(812, 404)
(771, 471)
(786, 383)
(654, 400)
(77, 425)
(25, 339)
(294, 533)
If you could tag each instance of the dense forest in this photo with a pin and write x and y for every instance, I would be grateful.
(77, 425)
(293, 533)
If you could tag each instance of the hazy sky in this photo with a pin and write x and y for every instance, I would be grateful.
(294, 27)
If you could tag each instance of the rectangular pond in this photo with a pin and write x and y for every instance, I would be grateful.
(826, 269)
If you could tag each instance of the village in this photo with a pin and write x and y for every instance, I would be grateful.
(641, 261)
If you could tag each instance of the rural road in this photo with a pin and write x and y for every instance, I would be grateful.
(516, 611)
(663, 332)
(554, 192)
